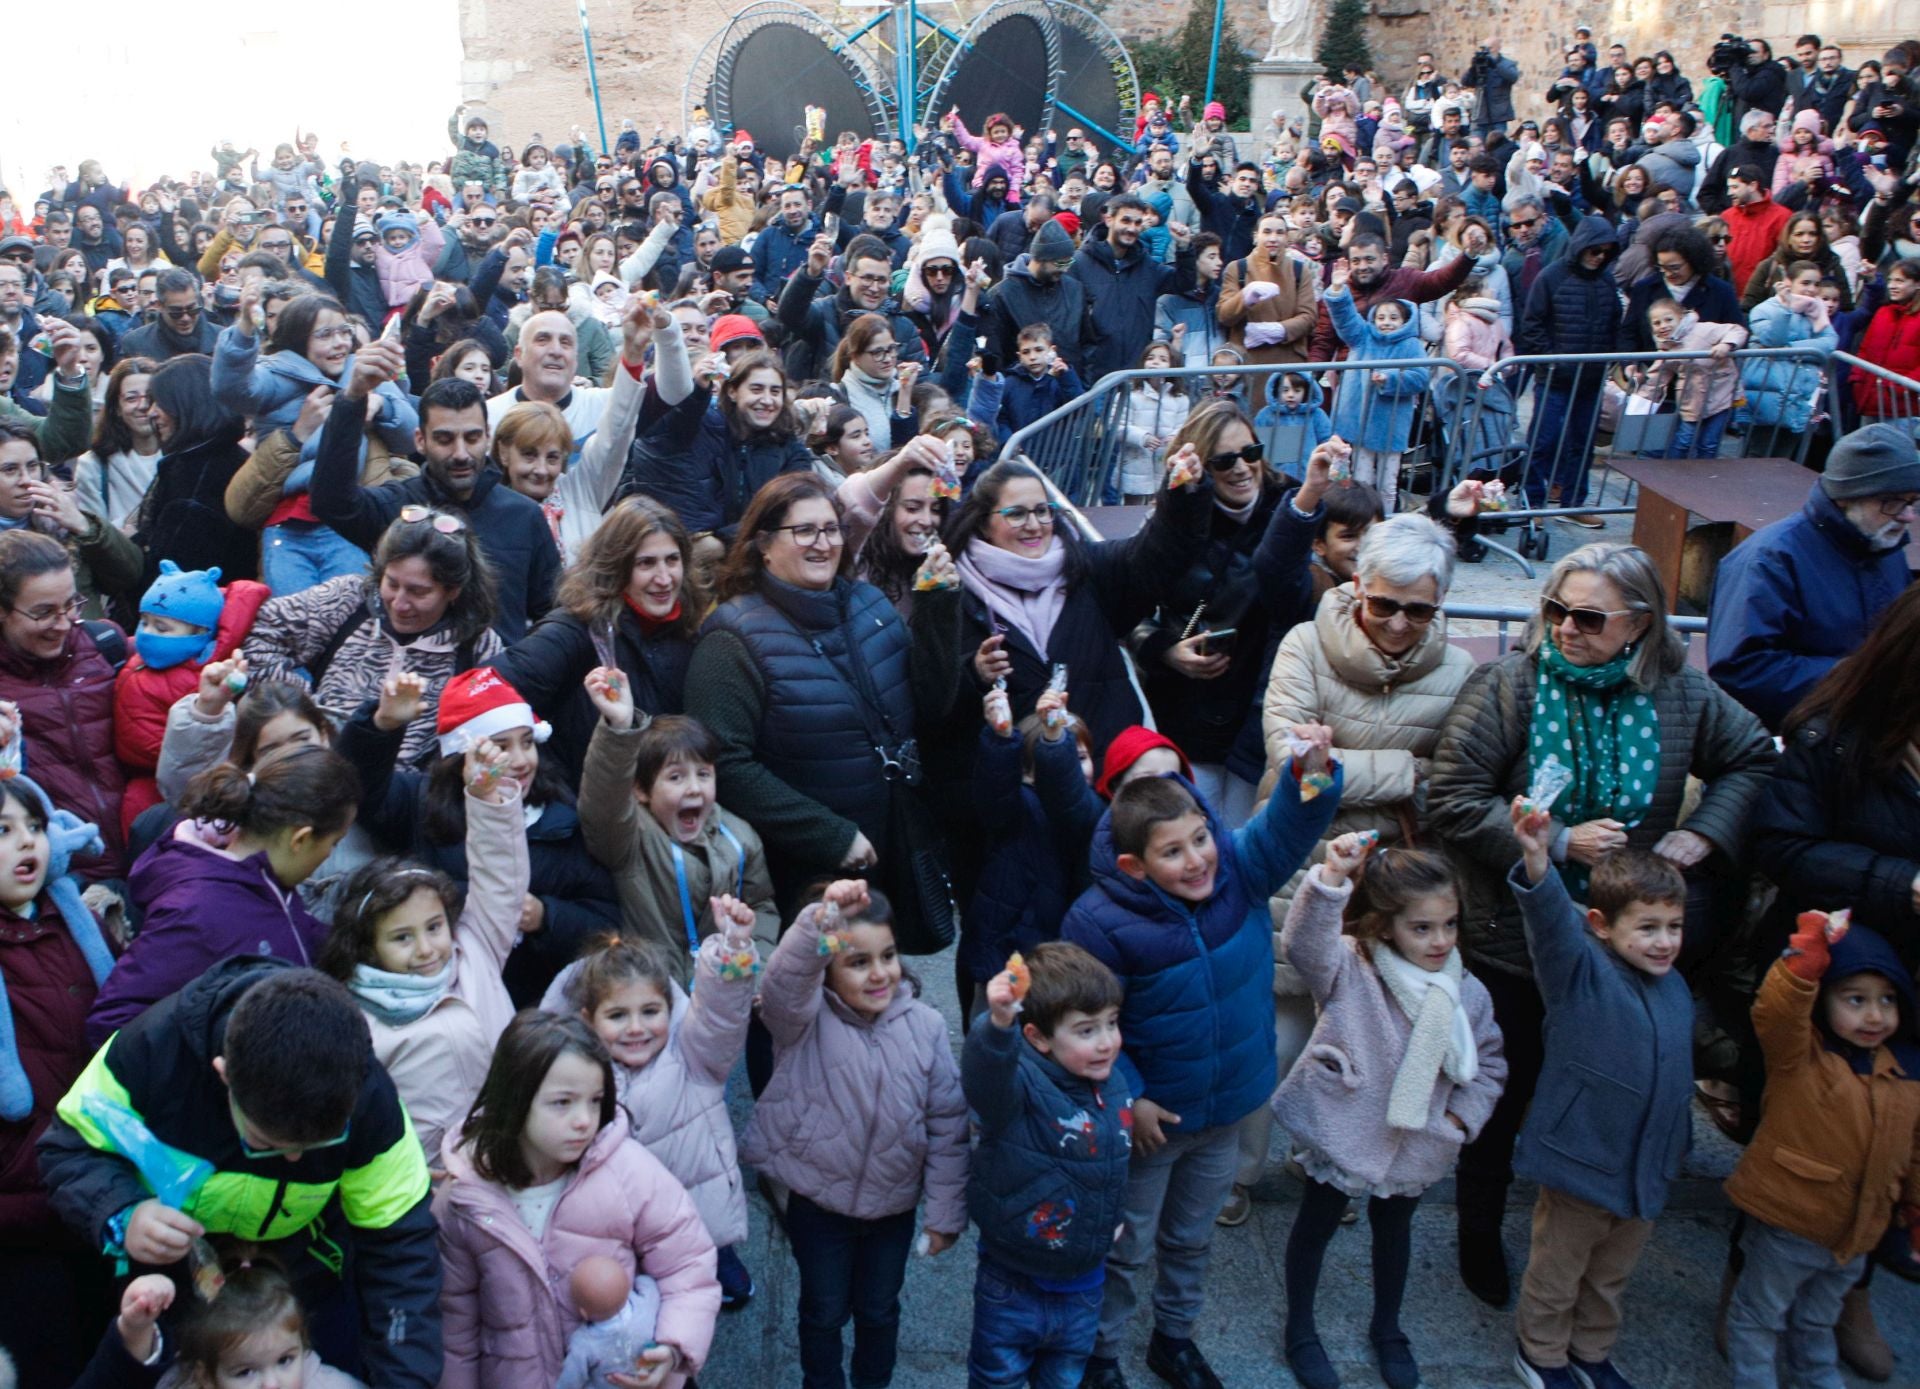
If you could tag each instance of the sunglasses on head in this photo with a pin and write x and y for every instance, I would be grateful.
(1222, 462)
(443, 521)
(1386, 609)
(1587, 621)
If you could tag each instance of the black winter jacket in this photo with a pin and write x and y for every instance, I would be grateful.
(1121, 293)
(576, 892)
(689, 460)
(1571, 308)
(549, 665)
(1020, 300)
(184, 516)
(816, 323)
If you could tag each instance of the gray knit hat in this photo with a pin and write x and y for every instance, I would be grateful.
(1051, 242)
(1877, 461)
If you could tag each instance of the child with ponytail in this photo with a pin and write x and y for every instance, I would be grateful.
(1403, 1068)
(205, 902)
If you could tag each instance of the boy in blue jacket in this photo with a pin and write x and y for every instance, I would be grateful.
(1294, 402)
(1042, 383)
(1608, 1126)
(1178, 910)
(1047, 1182)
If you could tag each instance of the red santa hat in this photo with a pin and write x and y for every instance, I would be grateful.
(477, 704)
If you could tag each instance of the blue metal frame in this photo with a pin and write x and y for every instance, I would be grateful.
(593, 77)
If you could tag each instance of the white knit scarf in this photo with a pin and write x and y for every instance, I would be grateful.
(1442, 1033)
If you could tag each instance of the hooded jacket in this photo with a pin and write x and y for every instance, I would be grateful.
(1839, 1140)
(1020, 299)
(369, 1192)
(1197, 1023)
(1779, 393)
(1792, 600)
(677, 1102)
(864, 1115)
(1371, 414)
(1674, 164)
(778, 251)
(199, 905)
(270, 390)
(1334, 1100)
(1048, 1180)
(142, 698)
(1572, 308)
(507, 1312)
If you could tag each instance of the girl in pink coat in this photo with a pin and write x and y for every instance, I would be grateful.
(672, 1054)
(864, 1114)
(545, 1173)
(998, 147)
(432, 990)
(1403, 1068)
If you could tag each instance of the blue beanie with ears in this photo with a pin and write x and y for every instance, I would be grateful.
(186, 595)
(67, 834)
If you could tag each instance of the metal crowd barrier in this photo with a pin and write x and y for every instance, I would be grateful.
(1863, 393)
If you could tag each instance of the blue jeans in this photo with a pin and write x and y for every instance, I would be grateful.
(1699, 439)
(300, 554)
(1562, 442)
(848, 1268)
(1024, 1335)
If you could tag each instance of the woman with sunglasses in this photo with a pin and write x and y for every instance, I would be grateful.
(424, 607)
(1601, 687)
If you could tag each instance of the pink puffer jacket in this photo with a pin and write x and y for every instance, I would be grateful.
(506, 1313)
(678, 1103)
(1334, 1100)
(862, 1114)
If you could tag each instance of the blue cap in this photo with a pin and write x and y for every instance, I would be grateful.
(190, 595)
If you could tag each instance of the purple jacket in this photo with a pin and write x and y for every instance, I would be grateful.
(862, 1114)
(201, 906)
(1334, 1100)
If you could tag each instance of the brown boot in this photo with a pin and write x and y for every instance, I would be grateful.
(1867, 1354)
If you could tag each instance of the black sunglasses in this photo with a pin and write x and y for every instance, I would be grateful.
(1588, 621)
(1386, 609)
(1222, 462)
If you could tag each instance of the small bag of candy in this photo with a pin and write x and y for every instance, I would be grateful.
(1550, 778)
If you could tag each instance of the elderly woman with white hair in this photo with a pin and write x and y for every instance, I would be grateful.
(1375, 666)
(1600, 686)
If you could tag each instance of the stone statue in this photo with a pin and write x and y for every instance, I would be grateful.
(1292, 30)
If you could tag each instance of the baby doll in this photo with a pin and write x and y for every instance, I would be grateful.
(616, 1323)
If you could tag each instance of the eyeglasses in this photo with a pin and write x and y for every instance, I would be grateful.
(241, 1129)
(1018, 516)
(342, 332)
(1224, 462)
(52, 612)
(1386, 609)
(180, 311)
(808, 532)
(443, 521)
(1895, 507)
(869, 279)
(1587, 621)
(286, 245)
(1522, 223)
(890, 349)
(481, 221)
(34, 472)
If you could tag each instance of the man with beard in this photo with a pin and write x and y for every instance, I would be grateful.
(815, 324)
(1038, 289)
(179, 324)
(781, 247)
(1371, 278)
(1800, 594)
(731, 274)
(459, 482)
(1123, 282)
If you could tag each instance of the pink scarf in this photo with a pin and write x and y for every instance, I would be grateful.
(1026, 594)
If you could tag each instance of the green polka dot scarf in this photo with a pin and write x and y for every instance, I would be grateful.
(1603, 726)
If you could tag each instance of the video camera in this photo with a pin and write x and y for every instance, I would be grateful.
(1731, 52)
(1478, 69)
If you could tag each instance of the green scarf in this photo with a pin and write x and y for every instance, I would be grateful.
(1605, 728)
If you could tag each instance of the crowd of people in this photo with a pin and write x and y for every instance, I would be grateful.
(496, 653)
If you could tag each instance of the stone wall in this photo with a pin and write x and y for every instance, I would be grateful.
(524, 64)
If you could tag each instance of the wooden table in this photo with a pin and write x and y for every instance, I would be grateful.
(1747, 492)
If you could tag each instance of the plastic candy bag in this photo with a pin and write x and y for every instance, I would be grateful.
(171, 1175)
(1057, 684)
(1313, 783)
(1550, 778)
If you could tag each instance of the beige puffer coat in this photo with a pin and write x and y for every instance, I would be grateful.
(1385, 712)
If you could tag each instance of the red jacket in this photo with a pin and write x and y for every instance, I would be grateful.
(49, 990)
(66, 710)
(1756, 235)
(142, 696)
(1892, 340)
